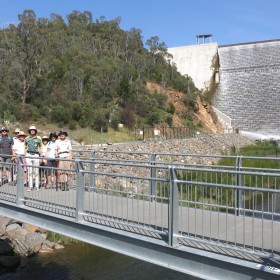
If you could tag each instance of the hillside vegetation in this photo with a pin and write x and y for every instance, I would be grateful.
(83, 72)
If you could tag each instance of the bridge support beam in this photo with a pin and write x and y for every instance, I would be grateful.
(201, 264)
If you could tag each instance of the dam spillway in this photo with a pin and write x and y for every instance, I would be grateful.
(249, 88)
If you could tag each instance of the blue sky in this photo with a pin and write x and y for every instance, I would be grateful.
(175, 22)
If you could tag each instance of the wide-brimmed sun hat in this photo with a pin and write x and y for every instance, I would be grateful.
(21, 133)
(32, 127)
(62, 131)
(17, 130)
(45, 137)
(4, 128)
(53, 134)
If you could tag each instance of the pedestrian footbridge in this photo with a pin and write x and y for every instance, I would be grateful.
(203, 219)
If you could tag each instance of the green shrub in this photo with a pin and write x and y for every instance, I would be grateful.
(171, 108)
(169, 119)
(154, 117)
(73, 125)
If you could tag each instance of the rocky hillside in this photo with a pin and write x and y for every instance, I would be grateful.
(205, 117)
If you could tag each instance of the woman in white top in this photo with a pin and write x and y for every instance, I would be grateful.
(19, 150)
(51, 155)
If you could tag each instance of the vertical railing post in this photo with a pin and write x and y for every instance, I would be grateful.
(173, 209)
(80, 190)
(153, 174)
(20, 181)
(238, 168)
(92, 170)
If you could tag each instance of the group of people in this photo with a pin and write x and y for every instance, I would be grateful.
(51, 151)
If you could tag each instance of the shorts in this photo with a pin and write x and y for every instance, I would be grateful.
(65, 164)
(51, 163)
(6, 162)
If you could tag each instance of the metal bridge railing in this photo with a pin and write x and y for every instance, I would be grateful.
(233, 208)
(217, 209)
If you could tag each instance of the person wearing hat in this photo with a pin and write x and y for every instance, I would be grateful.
(51, 155)
(64, 149)
(6, 143)
(19, 150)
(43, 171)
(16, 132)
(33, 146)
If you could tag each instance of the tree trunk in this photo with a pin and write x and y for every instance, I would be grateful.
(25, 88)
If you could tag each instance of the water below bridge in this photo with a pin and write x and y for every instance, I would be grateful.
(86, 262)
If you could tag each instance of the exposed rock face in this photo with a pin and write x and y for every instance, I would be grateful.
(207, 117)
(205, 114)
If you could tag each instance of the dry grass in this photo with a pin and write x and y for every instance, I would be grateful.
(83, 135)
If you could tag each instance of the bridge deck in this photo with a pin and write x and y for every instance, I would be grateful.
(150, 218)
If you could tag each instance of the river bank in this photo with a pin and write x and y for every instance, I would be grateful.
(18, 240)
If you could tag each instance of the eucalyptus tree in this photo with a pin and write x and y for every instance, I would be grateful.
(26, 63)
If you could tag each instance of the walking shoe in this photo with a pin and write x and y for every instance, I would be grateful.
(29, 190)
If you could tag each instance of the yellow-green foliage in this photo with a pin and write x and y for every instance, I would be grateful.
(59, 238)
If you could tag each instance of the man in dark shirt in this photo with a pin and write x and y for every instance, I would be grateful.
(6, 143)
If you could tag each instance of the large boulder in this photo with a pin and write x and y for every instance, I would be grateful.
(34, 241)
(29, 227)
(4, 222)
(11, 230)
(20, 248)
(21, 233)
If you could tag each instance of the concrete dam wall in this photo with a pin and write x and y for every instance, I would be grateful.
(248, 93)
(196, 62)
(249, 88)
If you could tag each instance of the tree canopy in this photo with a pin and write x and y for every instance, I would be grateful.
(83, 72)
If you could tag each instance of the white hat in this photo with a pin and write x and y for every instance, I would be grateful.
(32, 127)
(21, 133)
